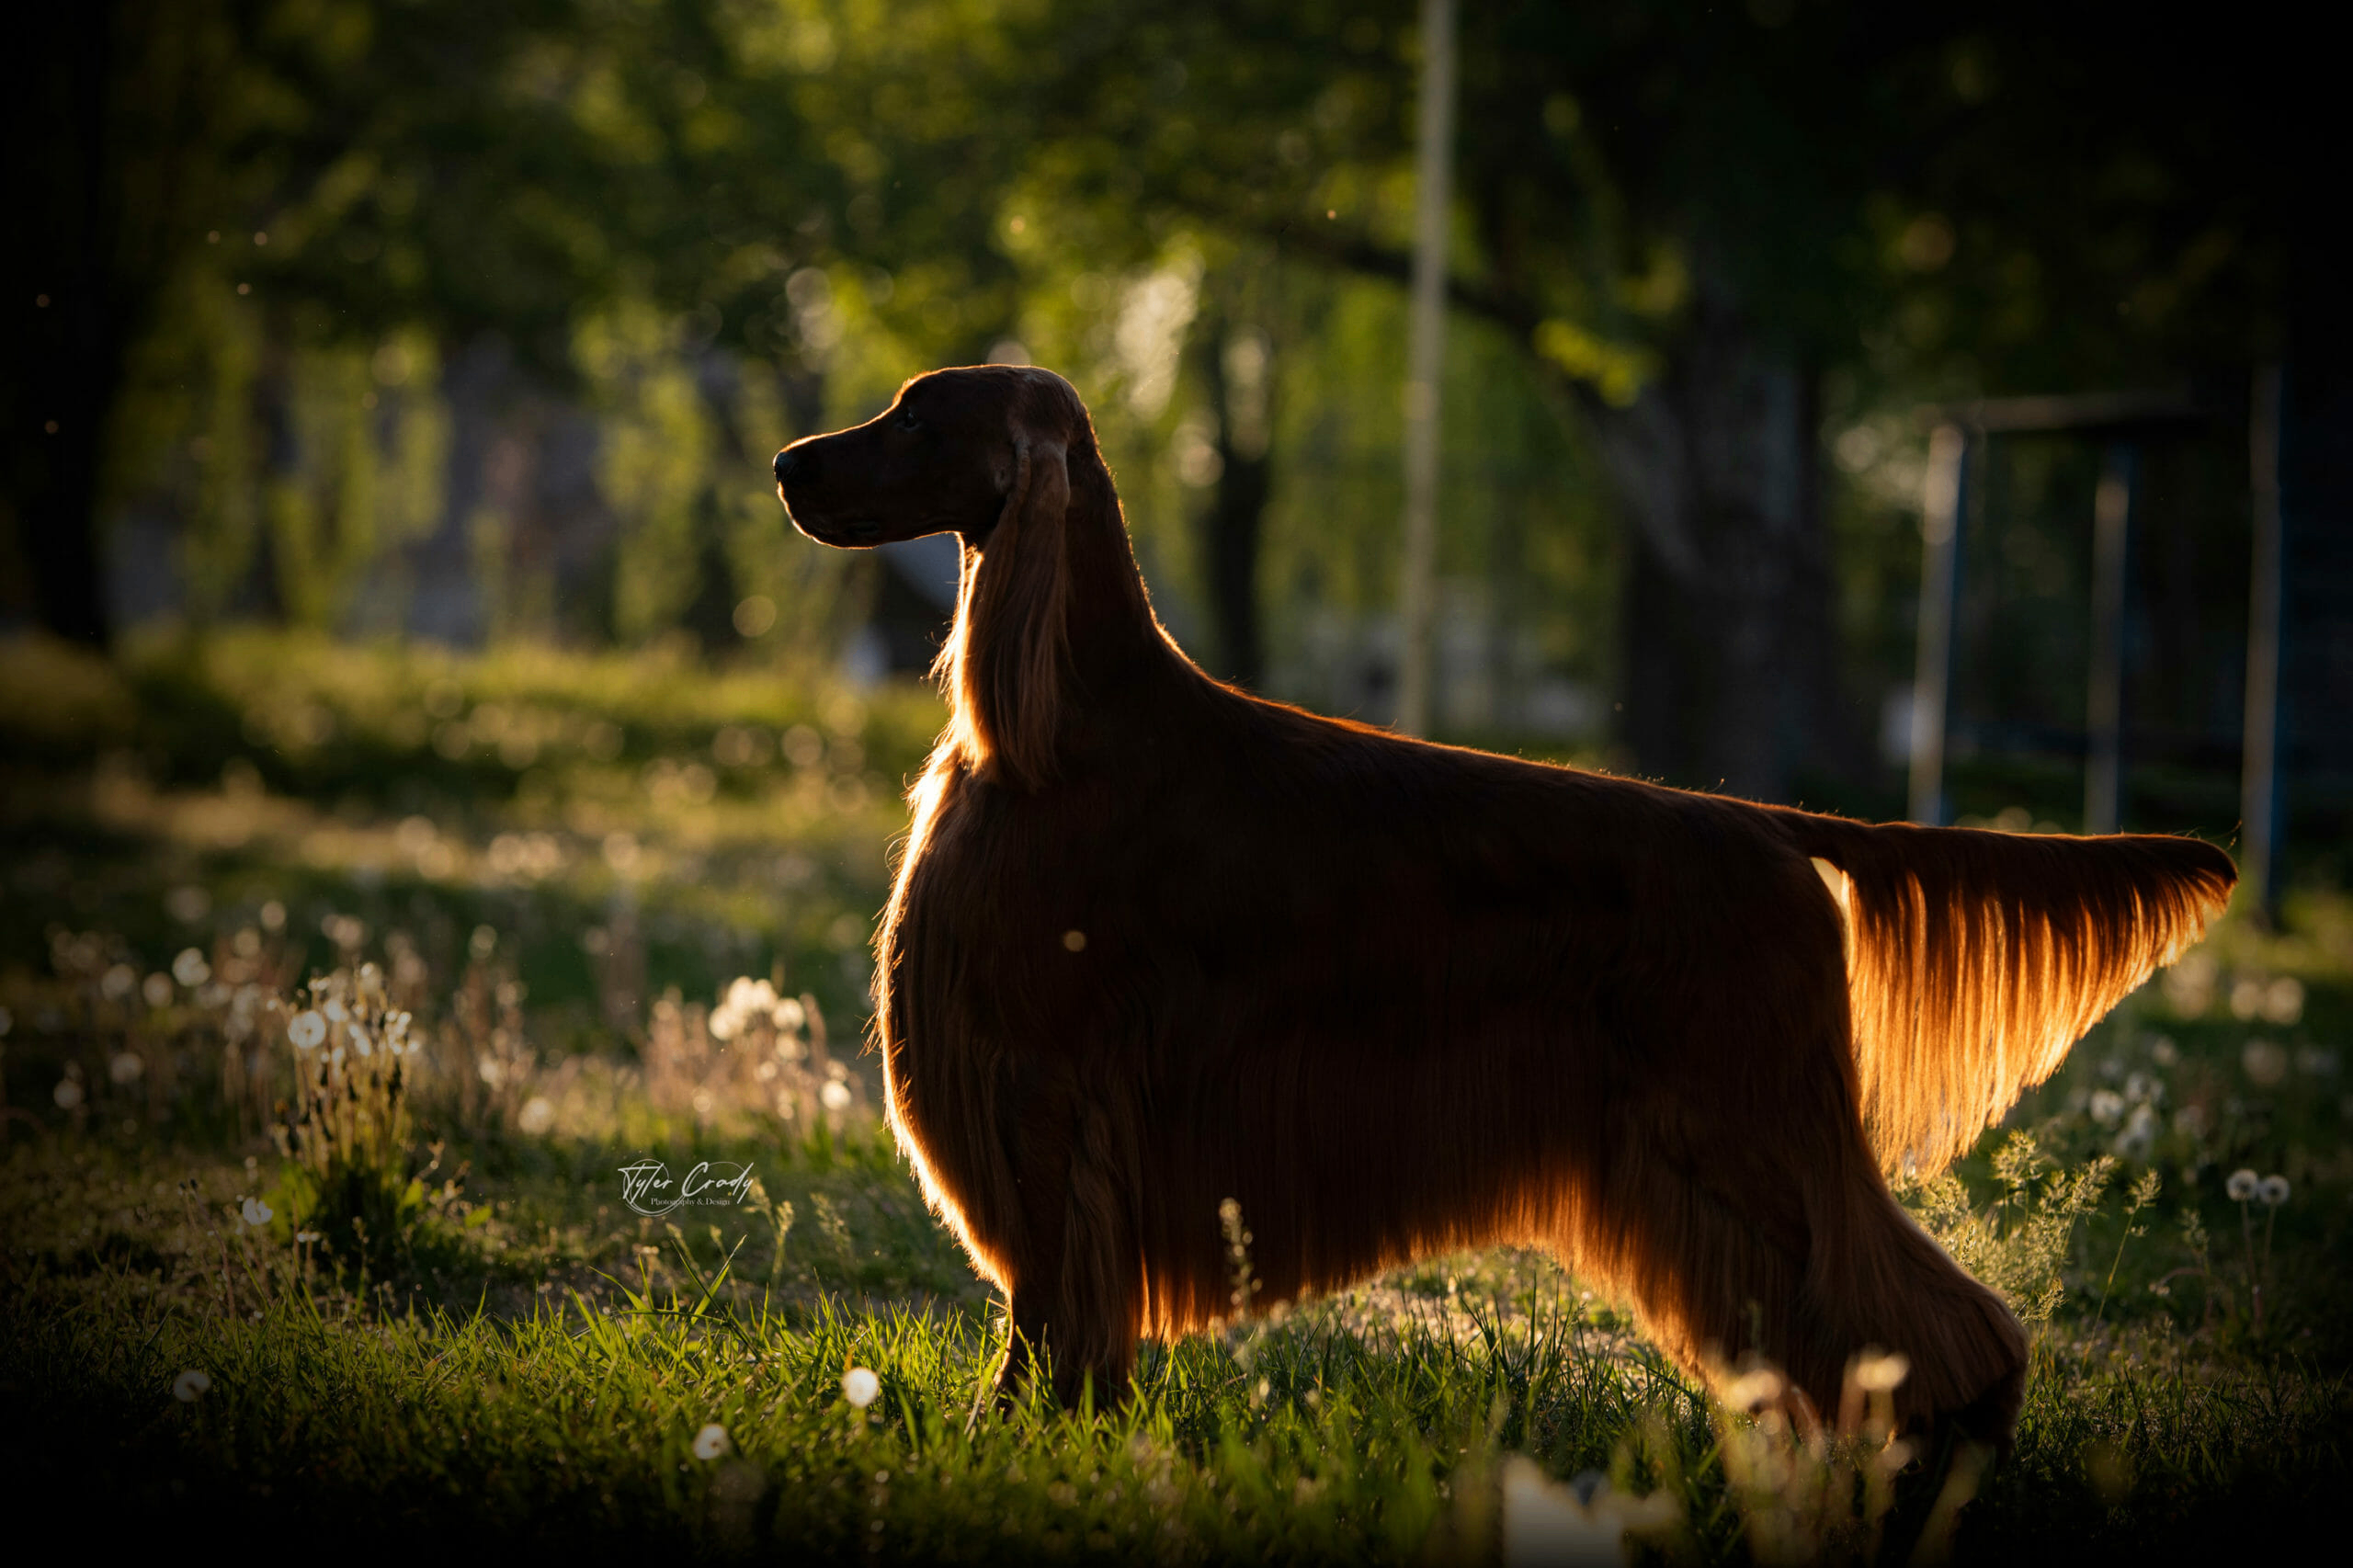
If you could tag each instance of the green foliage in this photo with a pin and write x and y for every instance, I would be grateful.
(2019, 1242)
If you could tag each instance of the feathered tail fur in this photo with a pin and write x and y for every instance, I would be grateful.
(1975, 960)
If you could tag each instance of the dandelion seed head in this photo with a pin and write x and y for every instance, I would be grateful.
(189, 1386)
(2272, 1189)
(2243, 1186)
(710, 1442)
(307, 1029)
(254, 1212)
(189, 969)
(861, 1387)
(1751, 1389)
(1881, 1374)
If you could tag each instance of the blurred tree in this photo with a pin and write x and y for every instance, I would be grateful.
(195, 178)
(113, 120)
(1688, 216)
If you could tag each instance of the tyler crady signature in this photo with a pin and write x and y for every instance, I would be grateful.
(647, 1186)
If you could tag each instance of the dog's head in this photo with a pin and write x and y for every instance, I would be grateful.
(958, 451)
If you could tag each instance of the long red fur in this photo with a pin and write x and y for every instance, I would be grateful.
(1156, 943)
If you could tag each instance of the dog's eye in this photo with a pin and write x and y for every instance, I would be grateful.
(907, 420)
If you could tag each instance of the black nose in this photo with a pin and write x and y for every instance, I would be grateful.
(788, 463)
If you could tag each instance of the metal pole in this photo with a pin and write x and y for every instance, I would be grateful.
(2104, 705)
(1426, 359)
(2260, 783)
(1940, 517)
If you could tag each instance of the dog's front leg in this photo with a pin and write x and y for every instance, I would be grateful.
(1077, 1278)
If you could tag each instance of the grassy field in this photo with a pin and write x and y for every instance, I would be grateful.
(339, 988)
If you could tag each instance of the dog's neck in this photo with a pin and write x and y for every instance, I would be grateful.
(1066, 616)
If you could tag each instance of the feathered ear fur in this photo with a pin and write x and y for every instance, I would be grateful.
(1006, 663)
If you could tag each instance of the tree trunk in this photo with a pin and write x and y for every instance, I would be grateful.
(1239, 371)
(1729, 642)
(65, 354)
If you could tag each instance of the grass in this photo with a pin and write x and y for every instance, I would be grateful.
(526, 1362)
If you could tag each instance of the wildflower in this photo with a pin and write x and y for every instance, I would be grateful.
(254, 1212)
(1584, 1521)
(2272, 1189)
(2284, 1001)
(307, 1029)
(861, 1387)
(307, 1237)
(191, 969)
(191, 1385)
(68, 1094)
(2139, 1138)
(2242, 1186)
(1880, 1374)
(2265, 1063)
(710, 1442)
(1751, 1389)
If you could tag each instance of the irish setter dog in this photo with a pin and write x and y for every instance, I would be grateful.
(1156, 943)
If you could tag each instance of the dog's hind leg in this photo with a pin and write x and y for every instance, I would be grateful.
(1792, 1250)
(1874, 1278)
(1715, 1267)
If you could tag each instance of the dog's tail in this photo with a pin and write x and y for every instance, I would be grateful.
(1975, 960)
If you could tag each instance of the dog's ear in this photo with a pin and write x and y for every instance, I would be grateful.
(1009, 657)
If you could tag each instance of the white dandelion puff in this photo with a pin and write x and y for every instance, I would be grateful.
(710, 1442)
(2242, 1186)
(189, 1386)
(861, 1387)
(1880, 1374)
(191, 969)
(2272, 1189)
(307, 1029)
(254, 1212)
(1751, 1389)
